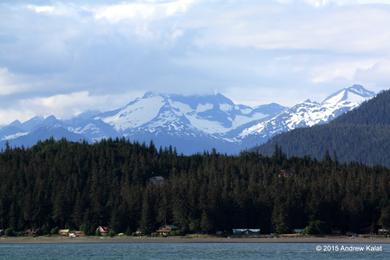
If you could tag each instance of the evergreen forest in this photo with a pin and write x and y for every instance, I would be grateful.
(130, 186)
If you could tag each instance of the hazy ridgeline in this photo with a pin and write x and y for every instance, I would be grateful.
(80, 186)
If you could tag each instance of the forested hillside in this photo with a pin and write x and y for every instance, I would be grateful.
(362, 135)
(80, 186)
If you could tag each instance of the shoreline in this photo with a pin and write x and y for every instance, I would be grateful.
(125, 240)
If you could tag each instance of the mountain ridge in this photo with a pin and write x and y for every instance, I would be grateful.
(361, 135)
(191, 123)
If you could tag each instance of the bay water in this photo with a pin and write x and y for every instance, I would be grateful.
(173, 251)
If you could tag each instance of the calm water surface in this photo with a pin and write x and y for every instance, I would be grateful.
(180, 251)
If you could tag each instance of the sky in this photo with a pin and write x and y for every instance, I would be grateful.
(66, 57)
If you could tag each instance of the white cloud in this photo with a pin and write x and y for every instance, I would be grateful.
(71, 104)
(141, 10)
(41, 8)
(8, 115)
(324, 3)
(10, 84)
(318, 3)
(355, 29)
(63, 106)
(186, 46)
(343, 71)
(378, 75)
(55, 9)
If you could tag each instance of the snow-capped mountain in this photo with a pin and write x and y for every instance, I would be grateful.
(307, 113)
(190, 123)
(214, 114)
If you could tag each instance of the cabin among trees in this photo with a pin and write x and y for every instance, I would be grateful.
(166, 230)
(102, 231)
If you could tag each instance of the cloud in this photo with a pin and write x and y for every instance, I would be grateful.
(10, 84)
(354, 29)
(71, 53)
(324, 3)
(141, 10)
(63, 106)
(8, 115)
(71, 104)
(377, 75)
(343, 71)
(373, 73)
(41, 8)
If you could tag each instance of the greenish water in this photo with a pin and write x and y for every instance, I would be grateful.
(184, 251)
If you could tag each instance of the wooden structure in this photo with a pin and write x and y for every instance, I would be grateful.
(166, 230)
(103, 230)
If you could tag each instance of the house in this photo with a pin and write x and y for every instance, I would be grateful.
(103, 231)
(246, 231)
(166, 230)
(64, 232)
(1, 232)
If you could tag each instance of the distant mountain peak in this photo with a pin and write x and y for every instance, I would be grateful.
(16, 123)
(150, 94)
(36, 118)
(360, 89)
(309, 101)
(197, 98)
(353, 94)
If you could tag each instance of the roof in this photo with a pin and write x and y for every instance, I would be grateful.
(103, 229)
(167, 228)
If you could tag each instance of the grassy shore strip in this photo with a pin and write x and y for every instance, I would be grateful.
(184, 239)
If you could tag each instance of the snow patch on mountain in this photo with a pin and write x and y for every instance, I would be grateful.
(91, 128)
(14, 136)
(136, 113)
(204, 107)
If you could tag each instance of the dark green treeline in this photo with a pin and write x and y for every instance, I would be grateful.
(80, 186)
